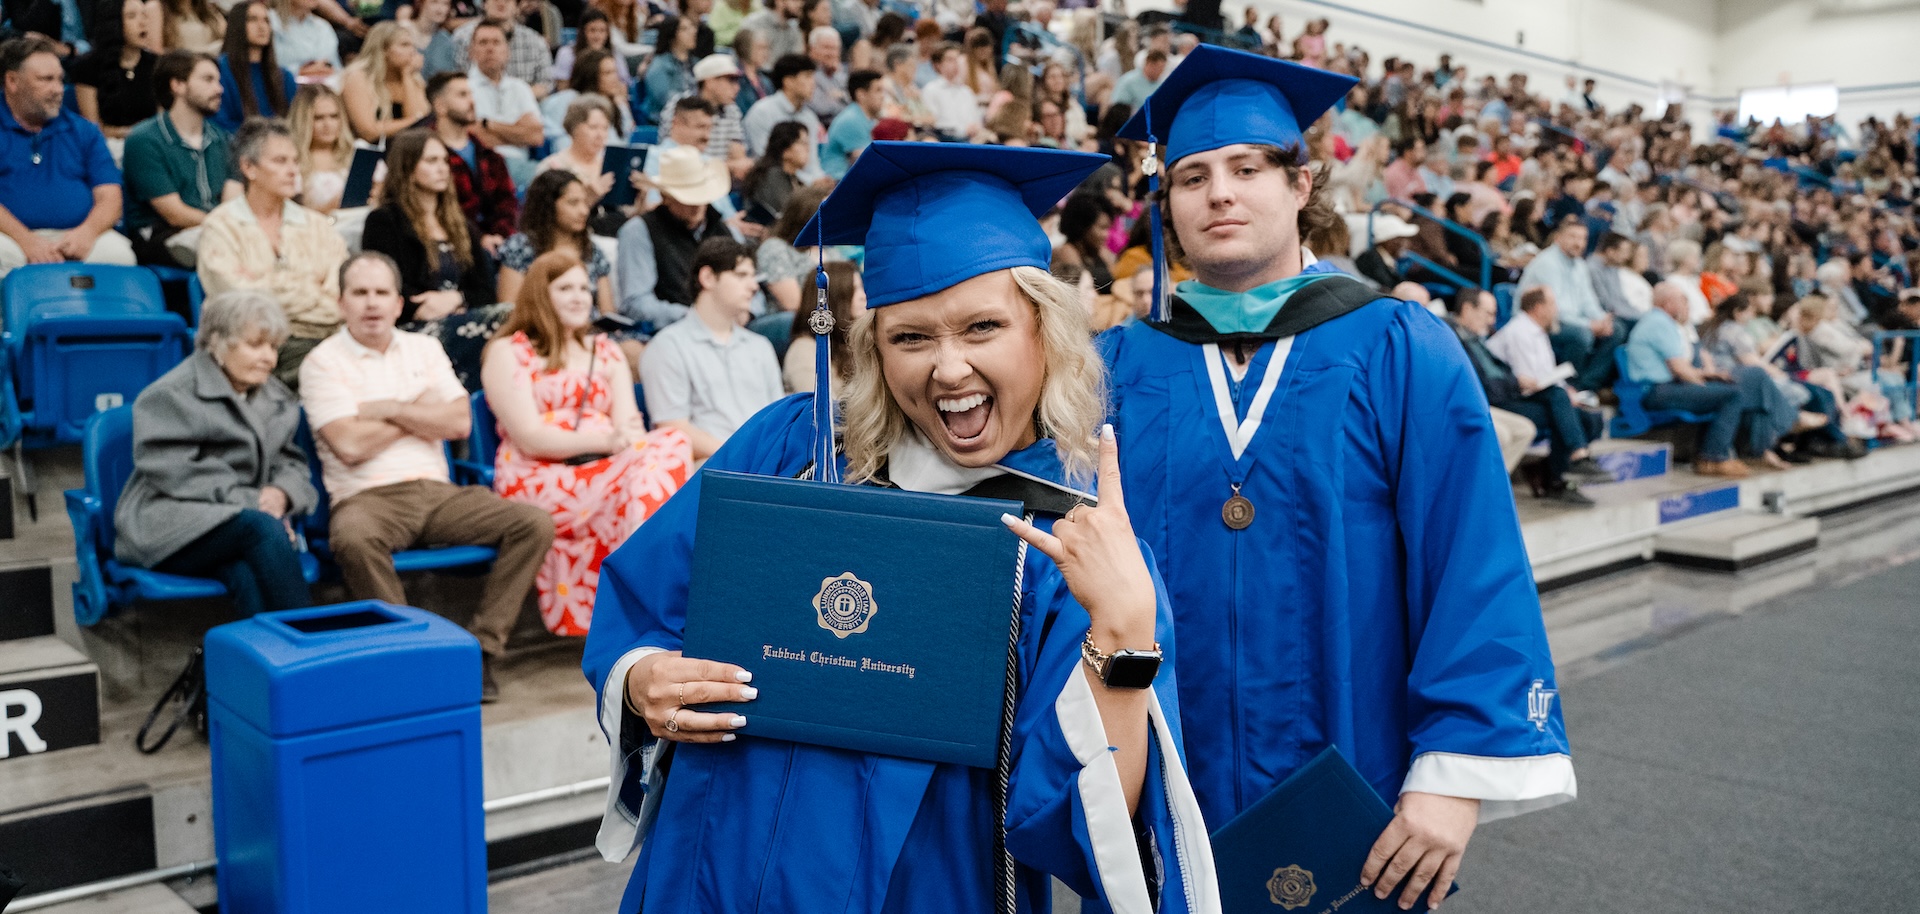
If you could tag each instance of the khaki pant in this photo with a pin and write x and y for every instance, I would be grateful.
(292, 353)
(111, 247)
(1516, 433)
(369, 527)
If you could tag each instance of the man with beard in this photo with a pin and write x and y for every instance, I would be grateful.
(177, 163)
(59, 189)
(1317, 471)
(480, 177)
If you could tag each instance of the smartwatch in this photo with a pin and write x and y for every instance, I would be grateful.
(1122, 669)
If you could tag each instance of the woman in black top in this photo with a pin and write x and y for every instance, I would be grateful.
(777, 175)
(113, 83)
(444, 275)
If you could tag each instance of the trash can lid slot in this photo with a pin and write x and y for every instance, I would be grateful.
(334, 621)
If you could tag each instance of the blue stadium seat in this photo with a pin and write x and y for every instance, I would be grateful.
(84, 338)
(436, 558)
(1504, 295)
(107, 455)
(189, 281)
(1633, 418)
(482, 443)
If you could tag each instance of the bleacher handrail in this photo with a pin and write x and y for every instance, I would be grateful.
(1449, 226)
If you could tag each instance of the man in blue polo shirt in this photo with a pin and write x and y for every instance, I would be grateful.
(177, 161)
(852, 128)
(59, 189)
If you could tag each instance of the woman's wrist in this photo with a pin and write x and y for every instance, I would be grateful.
(1129, 629)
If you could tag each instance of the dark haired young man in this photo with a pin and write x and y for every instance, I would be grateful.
(852, 128)
(177, 163)
(480, 176)
(1316, 470)
(707, 374)
(794, 75)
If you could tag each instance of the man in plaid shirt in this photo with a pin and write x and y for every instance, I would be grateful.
(528, 58)
(480, 175)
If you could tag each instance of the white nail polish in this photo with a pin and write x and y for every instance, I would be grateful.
(1106, 432)
(743, 676)
(749, 693)
(1009, 519)
(727, 737)
(737, 722)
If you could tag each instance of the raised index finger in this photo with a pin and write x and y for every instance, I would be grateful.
(1108, 486)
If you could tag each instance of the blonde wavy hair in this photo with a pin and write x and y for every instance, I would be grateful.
(1073, 389)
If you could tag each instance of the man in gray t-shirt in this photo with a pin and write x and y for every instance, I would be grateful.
(706, 374)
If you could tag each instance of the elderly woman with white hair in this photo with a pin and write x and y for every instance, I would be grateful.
(217, 476)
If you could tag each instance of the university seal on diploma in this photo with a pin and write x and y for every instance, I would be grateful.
(844, 605)
(1291, 887)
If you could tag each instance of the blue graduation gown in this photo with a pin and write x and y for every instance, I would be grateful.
(1381, 600)
(765, 825)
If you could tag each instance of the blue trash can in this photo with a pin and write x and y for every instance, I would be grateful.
(346, 762)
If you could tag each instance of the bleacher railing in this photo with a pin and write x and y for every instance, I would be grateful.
(1450, 227)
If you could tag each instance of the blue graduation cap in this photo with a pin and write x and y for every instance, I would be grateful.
(1218, 97)
(932, 215)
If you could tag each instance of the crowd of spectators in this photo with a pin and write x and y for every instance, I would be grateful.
(1738, 275)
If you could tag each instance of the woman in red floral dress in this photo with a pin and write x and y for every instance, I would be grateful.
(572, 439)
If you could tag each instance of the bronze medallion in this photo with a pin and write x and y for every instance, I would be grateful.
(1237, 513)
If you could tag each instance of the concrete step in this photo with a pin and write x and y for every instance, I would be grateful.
(49, 698)
(1736, 540)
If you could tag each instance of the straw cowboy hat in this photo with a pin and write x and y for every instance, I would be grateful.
(691, 178)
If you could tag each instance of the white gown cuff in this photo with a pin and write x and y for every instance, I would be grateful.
(620, 829)
(1505, 787)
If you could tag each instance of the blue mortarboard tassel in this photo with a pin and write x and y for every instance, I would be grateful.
(1151, 165)
(826, 468)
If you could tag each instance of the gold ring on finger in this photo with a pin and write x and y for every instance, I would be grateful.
(1069, 517)
(682, 695)
(673, 726)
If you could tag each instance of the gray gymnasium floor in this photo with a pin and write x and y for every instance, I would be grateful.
(1732, 757)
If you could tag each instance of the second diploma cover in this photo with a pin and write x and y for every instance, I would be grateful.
(872, 619)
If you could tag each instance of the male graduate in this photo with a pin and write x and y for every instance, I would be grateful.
(1315, 467)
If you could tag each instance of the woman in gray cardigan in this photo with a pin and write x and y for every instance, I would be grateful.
(217, 477)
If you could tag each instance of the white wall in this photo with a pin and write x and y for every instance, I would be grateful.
(1648, 40)
(1714, 47)
(1766, 42)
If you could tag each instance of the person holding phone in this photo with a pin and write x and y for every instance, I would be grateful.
(572, 439)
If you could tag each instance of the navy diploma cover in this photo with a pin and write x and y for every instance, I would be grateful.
(1301, 847)
(872, 619)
